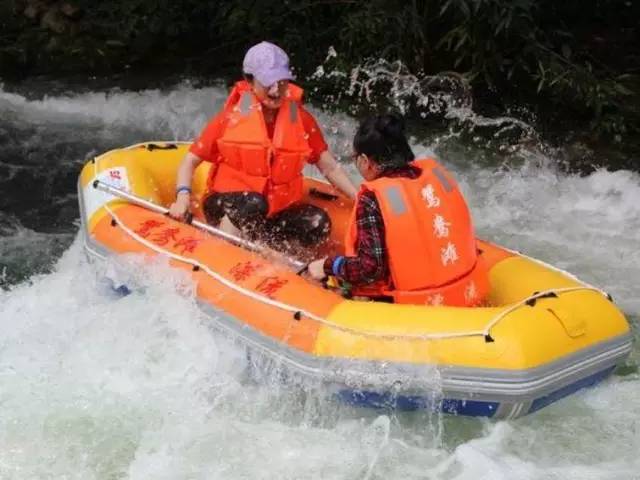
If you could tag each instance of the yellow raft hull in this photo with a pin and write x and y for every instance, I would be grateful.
(544, 335)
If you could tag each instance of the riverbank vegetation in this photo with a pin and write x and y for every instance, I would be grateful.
(571, 63)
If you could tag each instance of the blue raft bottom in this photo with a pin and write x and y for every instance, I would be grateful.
(473, 408)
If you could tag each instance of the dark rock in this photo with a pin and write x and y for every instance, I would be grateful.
(54, 44)
(115, 44)
(32, 11)
(19, 5)
(70, 10)
(10, 62)
(55, 21)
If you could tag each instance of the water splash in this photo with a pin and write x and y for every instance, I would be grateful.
(94, 386)
(379, 84)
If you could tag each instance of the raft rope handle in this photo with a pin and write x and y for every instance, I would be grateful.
(525, 302)
(298, 312)
(167, 146)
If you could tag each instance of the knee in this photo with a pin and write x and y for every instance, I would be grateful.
(246, 210)
(254, 205)
(212, 209)
(318, 227)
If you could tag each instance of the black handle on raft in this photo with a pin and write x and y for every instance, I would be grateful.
(188, 217)
(532, 301)
(304, 269)
(169, 146)
(314, 192)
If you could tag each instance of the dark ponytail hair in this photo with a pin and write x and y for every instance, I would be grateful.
(382, 139)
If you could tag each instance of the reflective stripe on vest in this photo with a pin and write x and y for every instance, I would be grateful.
(245, 103)
(443, 179)
(394, 197)
(293, 112)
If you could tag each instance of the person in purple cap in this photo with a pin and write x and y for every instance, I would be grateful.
(258, 146)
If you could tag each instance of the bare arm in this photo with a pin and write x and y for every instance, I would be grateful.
(333, 172)
(180, 207)
(185, 171)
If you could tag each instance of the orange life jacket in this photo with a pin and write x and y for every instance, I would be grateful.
(250, 161)
(430, 241)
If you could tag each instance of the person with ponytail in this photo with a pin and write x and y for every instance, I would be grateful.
(410, 238)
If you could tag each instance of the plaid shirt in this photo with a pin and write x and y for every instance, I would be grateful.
(370, 263)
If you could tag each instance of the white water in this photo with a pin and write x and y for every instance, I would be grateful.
(93, 386)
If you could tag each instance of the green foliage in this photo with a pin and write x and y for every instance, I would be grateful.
(529, 45)
(578, 57)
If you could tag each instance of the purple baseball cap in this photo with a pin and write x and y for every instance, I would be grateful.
(268, 63)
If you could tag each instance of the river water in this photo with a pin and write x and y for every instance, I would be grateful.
(97, 386)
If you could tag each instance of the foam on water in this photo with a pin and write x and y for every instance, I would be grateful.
(97, 386)
(587, 225)
(177, 113)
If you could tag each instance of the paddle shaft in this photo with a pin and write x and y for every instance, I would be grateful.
(300, 267)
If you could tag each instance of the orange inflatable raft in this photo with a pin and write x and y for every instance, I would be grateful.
(544, 335)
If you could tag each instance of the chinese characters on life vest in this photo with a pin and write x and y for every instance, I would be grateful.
(441, 226)
(435, 300)
(429, 195)
(449, 252)
(470, 292)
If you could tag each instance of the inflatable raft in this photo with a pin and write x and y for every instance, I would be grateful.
(544, 335)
